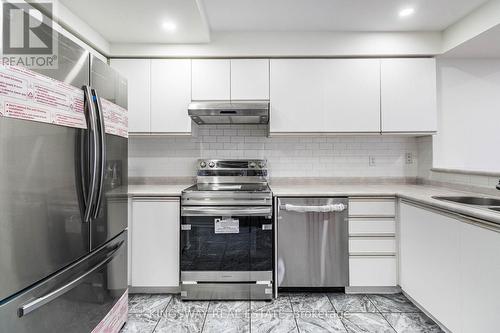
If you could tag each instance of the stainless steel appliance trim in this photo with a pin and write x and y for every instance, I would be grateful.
(231, 179)
(41, 301)
(102, 132)
(226, 276)
(227, 202)
(234, 195)
(226, 211)
(212, 108)
(226, 291)
(93, 152)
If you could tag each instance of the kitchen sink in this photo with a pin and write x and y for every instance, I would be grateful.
(477, 201)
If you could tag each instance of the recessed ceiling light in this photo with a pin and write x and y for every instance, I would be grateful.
(406, 12)
(169, 26)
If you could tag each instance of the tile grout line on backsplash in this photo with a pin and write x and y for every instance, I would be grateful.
(288, 156)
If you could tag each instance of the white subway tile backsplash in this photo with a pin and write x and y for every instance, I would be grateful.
(341, 156)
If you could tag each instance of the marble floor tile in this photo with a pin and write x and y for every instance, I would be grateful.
(140, 323)
(229, 306)
(280, 304)
(226, 323)
(393, 303)
(152, 304)
(177, 305)
(310, 302)
(366, 322)
(322, 323)
(180, 322)
(265, 322)
(351, 303)
(412, 323)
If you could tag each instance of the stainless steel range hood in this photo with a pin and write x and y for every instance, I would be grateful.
(241, 113)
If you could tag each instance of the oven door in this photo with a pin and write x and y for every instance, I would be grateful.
(226, 244)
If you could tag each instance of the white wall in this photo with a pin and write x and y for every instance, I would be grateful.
(461, 180)
(468, 115)
(344, 156)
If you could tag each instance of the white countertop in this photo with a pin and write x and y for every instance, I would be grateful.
(417, 193)
(165, 190)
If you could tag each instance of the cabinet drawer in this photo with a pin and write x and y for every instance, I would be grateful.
(372, 271)
(371, 226)
(371, 245)
(372, 207)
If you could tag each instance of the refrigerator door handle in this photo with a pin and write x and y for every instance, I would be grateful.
(41, 301)
(102, 163)
(93, 148)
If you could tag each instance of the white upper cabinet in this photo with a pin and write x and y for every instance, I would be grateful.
(352, 95)
(408, 95)
(249, 79)
(325, 95)
(170, 95)
(137, 72)
(296, 93)
(211, 79)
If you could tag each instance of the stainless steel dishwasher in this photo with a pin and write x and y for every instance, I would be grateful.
(313, 242)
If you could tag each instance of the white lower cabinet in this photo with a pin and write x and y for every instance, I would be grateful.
(451, 268)
(430, 264)
(479, 279)
(155, 242)
(372, 271)
(372, 242)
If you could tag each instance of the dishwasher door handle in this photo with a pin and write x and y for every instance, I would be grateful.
(338, 207)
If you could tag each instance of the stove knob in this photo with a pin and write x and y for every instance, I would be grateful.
(252, 165)
(203, 164)
(211, 164)
(262, 164)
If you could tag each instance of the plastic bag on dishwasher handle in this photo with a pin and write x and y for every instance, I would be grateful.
(338, 207)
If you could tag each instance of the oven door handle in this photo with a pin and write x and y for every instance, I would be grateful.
(226, 211)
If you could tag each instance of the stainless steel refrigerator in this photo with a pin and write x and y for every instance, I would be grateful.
(63, 210)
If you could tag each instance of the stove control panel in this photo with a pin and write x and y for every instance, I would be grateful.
(232, 164)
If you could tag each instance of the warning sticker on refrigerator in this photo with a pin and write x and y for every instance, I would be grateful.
(227, 226)
(27, 95)
(115, 118)
(116, 317)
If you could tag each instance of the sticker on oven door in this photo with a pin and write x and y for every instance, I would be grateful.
(227, 226)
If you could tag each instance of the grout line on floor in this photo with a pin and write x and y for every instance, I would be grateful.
(388, 321)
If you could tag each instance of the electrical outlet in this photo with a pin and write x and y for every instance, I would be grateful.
(371, 160)
(409, 158)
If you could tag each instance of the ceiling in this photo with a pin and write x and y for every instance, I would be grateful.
(134, 21)
(335, 15)
(485, 45)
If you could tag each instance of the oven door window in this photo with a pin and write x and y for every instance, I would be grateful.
(222, 243)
